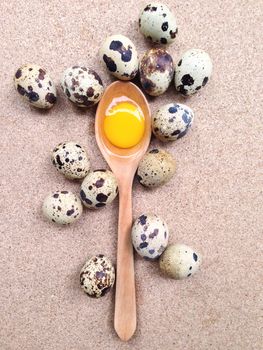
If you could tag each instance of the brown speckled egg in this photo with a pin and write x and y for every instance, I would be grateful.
(97, 276)
(71, 160)
(35, 86)
(156, 71)
(179, 261)
(83, 86)
(172, 121)
(62, 207)
(193, 71)
(158, 24)
(98, 189)
(119, 55)
(149, 236)
(156, 168)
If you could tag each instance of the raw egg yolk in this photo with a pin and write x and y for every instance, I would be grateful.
(124, 125)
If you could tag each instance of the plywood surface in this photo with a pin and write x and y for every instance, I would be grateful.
(213, 203)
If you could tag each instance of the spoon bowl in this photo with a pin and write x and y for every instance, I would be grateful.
(110, 152)
(123, 163)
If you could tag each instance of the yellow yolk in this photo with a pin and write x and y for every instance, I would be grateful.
(124, 125)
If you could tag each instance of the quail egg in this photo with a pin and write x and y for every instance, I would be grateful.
(97, 276)
(156, 71)
(149, 236)
(98, 189)
(156, 168)
(179, 261)
(172, 121)
(62, 207)
(83, 86)
(120, 57)
(158, 24)
(71, 160)
(193, 71)
(35, 86)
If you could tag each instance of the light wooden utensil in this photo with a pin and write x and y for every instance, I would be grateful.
(123, 163)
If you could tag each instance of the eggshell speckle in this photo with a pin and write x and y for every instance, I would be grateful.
(158, 24)
(97, 276)
(156, 168)
(83, 86)
(62, 207)
(193, 71)
(120, 57)
(149, 236)
(35, 86)
(156, 71)
(71, 160)
(179, 261)
(172, 121)
(98, 189)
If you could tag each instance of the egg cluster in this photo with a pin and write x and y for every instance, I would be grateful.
(150, 235)
(98, 188)
(83, 87)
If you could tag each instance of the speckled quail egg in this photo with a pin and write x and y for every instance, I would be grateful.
(156, 168)
(120, 57)
(179, 261)
(71, 160)
(156, 71)
(149, 236)
(158, 24)
(98, 189)
(172, 121)
(97, 276)
(83, 86)
(62, 207)
(36, 87)
(193, 71)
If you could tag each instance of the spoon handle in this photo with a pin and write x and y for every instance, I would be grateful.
(125, 303)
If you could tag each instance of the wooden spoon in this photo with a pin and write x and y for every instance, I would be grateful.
(123, 163)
